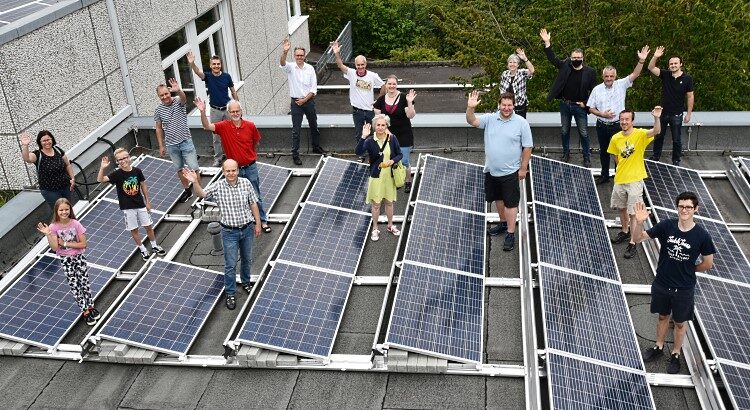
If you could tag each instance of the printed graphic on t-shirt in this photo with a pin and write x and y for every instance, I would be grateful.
(130, 186)
(363, 85)
(67, 234)
(627, 150)
(675, 248)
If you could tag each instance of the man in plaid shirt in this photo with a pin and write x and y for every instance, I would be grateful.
(239, 206)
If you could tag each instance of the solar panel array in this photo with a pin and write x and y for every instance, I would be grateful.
(300, 305)
(582, 296)
(438, 305)
(14, 10)
(166, 309)
(272, 181)
(39, 309)
(722, 294)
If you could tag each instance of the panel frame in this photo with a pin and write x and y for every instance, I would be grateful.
(533, 185)
(708, 200)
(286, 181)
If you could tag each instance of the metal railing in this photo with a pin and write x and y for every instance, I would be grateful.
(345, 40)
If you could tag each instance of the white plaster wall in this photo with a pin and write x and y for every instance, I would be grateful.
(145, 74)
(6, 125)
(205, 5)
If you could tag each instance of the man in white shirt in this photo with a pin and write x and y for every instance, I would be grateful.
(303, 85)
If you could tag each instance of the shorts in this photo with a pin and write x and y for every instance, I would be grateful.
(504, 188)
(626, 196)
(406, 151)
(137, 217)
(183, 155)
(678, 302)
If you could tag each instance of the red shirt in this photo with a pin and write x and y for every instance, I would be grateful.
(239, 143)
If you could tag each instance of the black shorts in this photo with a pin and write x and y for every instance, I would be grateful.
(678, 302)
(504, 188)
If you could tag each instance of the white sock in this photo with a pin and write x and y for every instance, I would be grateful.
(142, 248)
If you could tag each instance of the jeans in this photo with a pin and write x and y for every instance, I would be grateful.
(675, 123)
(308, 110)
(216, 116)
(251, 173)
(521, 109)
(567, 112)
(360, 117)
(604, 133)
(50, 197)
(237, 241)
(183, 155)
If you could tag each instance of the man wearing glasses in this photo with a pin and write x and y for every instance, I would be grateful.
(303, 85)
(686, 248)
(572, 87)
(240, 138)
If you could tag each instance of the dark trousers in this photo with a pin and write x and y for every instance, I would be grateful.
(604, 133)
(308, 110)
(569, 111)
(675, 123)
(361, 117)
(521, 109)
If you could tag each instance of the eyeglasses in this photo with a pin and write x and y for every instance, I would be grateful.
(685, 207)
(235, 111)
(122, 159)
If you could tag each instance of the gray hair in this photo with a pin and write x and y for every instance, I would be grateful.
(514, 57)
(382, 117)
(609, 68)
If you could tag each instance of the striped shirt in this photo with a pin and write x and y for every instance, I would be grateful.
(234, 201)
(173, 119)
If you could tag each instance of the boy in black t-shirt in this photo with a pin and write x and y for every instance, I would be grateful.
(686, 248)
(132, 195)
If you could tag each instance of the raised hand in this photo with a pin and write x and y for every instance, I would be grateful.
(25, 138)
(200, 104)
(43, 228)
(521, 54)
(411, 95)
(643, 53)
(336, 47)
(286, 44)
(545, 35)
(473, 99)
(641, 213)
(656, 112)
(659, 52)
(174, 86)
(189, 174)
(366, 130)
(190, 57)
(105, 161)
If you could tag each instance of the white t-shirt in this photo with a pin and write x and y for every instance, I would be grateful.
(361, 89)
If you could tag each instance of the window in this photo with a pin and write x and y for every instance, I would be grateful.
(293, 8)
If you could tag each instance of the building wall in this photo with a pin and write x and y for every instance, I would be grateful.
(65, 76)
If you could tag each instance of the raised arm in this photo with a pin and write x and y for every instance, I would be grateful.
(174, 87)
(285, 46)
(522, 55)
(336, 47)
(641, 215)
(652, 64)
(191, 176)
(100, 177)
(471, 106)
(196, 70)
(642, 55)
(27, 156)
(410, 111)
(656, 113)
(551, 57)
(201, 105)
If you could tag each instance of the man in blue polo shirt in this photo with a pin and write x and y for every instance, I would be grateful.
(219, 85)
(507, 150)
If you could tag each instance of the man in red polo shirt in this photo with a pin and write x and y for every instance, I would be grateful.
(239, 138)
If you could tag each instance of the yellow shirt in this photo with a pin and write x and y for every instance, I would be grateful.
(630, 151)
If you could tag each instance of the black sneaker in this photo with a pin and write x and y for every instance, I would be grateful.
(602, 180)
(674, 364)
(621, 237)
(296, 160)
(319, 150)
(586, 163)
(145, 255)
(247, 287)
(407, 187)
(676, 163)
(186, 194)
(158, 250)
(630, 251)
(510, 242)
(651, 354)
(94, 313)
(89, 318)
(231, 302)
(565, 158)
(498, 229)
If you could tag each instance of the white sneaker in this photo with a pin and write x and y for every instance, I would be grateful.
(375, 235)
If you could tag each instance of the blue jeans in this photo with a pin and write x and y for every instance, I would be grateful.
(237, 241)
(50, 197)
(308, 110)
(251, 173)
(567, 112)
(360, 117)
(604, 133)
(675, 123)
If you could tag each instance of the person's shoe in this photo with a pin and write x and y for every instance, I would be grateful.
(145, 255)
(565, 158)
(630, 251)
(510, 242)
(375, 235)
(296, 160)
(407, 187)
(247, 287)
(586, 163)
(653, 353)
(498, 229)
(674, 364)
(94, 313)
(676, 163)
(158, 250)
(88, 318)
(602, 180)
(319, 150)
(654, 158)
(621, 237)
(186, 194)
(231, 302)
(362, 160)
(392, 229)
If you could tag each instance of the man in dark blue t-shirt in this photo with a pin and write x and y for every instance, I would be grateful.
(686, 248)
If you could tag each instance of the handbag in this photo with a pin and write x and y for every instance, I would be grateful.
(398, 172)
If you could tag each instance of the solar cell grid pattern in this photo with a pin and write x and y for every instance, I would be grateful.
(161, 178)
(724, 311)
(746, 162)
(439, 312)
(575, 385)
(39, 307)
(564, 185)
(738, 381)
(13, 10)
(327, 238)
(452, 183)
(579, 309)
(343, 184)
(298, 310)
(729, 260)
(665, 182)
(447, 238)
(574, 241)
(166, 308)
(272, 181)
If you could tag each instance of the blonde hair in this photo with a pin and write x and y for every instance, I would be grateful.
(62, 201)
(118, 150)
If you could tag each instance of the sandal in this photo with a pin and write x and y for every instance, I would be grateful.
(375, 235)
(392, 229)
(266, 228)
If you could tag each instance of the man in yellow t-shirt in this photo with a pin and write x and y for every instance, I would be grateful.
(629, 146)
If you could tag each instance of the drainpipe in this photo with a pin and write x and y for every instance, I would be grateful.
(117, 37)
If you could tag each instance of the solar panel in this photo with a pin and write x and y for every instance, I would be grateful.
(14, 10)
(575, 384)
(745, 163)
(729, 261)
(452, 183)
(298, 310)
(665, 182)
(737, 381)
(438, 312)
(724, 312)
(161, 178)
(343, 184)
(574, 241)
(327, 238)
(272, 180)
(579, 309)
(38, 309)
(166, 309)
(447, 238)
(565, 185)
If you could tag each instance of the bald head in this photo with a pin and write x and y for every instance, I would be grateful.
(229, 163)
